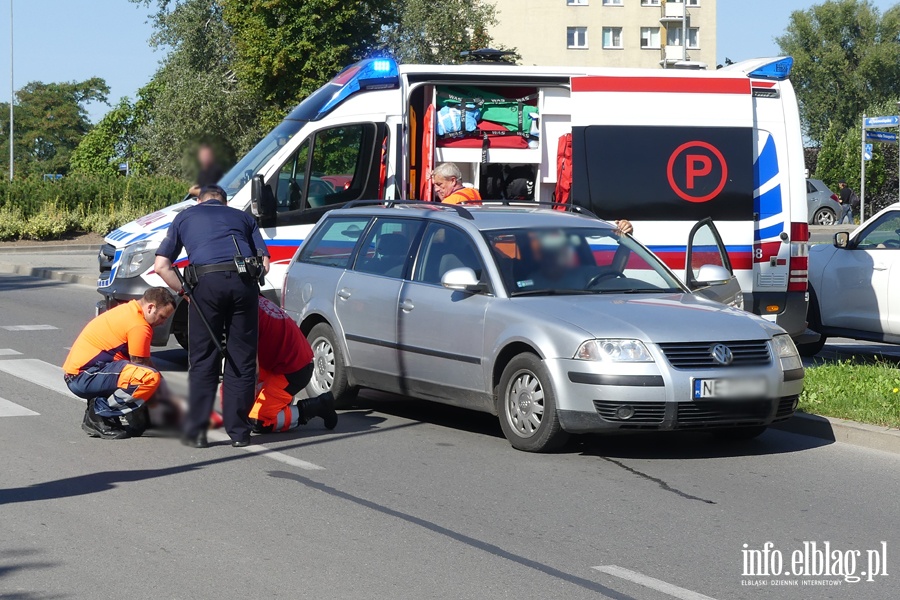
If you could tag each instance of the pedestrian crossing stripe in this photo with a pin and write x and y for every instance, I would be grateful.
(9, 352)
(11, 409)
(28, 327)
(39, 373)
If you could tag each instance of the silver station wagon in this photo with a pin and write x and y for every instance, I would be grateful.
(554, 321)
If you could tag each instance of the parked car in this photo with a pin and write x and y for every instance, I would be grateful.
(551, 320)
(853, 283)
(823, 205)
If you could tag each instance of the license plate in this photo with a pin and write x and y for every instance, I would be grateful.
(729, 388)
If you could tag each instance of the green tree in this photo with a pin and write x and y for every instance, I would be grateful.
(846, 56)
(50, 120)
(112, 141)
(437, 31)
(285, 49)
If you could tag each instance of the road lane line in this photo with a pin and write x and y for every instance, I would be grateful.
(11, 409)
(9, 352)
(650, 582)
(39, 373)
(218, 436)
(28, 327)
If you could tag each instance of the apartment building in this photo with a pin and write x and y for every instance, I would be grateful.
(614, 33)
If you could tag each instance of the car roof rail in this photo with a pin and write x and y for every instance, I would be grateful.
(567, 206)
(460, 210)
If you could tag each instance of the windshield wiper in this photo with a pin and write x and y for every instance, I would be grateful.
(549, 292)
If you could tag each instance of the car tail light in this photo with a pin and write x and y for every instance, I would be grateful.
(835, 198)
(799, 265)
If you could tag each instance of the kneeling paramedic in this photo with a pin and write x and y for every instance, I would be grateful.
(109, 364)
(227, 256)
(285, 368)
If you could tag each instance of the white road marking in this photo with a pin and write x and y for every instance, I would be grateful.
(39, 373)
(9, 352)
(11, 409)
(219, 436)
(650, 582)
(28, 327)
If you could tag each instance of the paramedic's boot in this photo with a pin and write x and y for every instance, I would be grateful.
(100, 427)
(257, 427)
(320, 406)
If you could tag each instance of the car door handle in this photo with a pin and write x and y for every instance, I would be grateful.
(407, 306)
(344, 294)
(880, 267)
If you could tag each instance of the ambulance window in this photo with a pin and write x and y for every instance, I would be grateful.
(289, 184)
(342, 159)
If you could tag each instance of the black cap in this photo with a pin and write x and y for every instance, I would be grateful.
(844, 181)
(213, 189)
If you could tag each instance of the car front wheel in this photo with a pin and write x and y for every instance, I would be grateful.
(527, 406)
(329, 368)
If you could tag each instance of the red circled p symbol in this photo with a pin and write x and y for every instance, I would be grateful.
(677, 189)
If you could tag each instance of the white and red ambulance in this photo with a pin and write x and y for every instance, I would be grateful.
(662, 148)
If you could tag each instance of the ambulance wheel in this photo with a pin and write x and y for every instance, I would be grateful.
(527, 406)
(329, 368)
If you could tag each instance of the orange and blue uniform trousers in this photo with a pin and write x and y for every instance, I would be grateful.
(97, 367)
(274, 408)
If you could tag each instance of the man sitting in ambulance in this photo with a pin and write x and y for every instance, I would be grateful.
(285, 368)
(448, 186)
(109, 364)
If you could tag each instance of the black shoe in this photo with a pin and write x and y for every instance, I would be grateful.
(320, 406)
(98, 427)
(241, 443)
(257, 427)
(195, 441)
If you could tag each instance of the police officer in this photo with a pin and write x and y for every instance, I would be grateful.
(216, 237)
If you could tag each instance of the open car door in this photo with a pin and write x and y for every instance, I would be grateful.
(708, 269)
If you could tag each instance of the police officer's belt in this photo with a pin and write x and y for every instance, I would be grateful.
(202, 270)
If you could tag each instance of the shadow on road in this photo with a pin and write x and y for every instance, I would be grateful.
(18, 283)
(12, 561)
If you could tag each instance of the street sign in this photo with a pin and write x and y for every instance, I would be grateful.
(881, 136)
(875, 122)
(867, 152)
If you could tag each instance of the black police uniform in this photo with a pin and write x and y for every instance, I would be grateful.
(230, 304)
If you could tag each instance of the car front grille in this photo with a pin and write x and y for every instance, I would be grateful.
(701, 413)
(698, 355)
(645, 413)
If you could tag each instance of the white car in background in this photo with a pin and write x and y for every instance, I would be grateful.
(854, 283)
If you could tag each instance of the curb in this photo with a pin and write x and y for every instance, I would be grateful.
(874, 437)
(88, 280)
(50, 248)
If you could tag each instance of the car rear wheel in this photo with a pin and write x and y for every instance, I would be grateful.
(527, 406)
(329, 368)
(733, 434)
(824, 216)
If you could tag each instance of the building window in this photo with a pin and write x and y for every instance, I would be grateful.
(576, 37)
(673, 37)
(693, 2)
(577, 2)
(649, 2)
(612, 2)
(650, 37)
(612, 37)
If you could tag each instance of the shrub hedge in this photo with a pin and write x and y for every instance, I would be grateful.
(37, 209)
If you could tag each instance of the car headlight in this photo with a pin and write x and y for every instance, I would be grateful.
(135, 257)
(614, 351)
(787, 352)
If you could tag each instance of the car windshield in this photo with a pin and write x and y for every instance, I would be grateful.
(247, 167)
(578, 260)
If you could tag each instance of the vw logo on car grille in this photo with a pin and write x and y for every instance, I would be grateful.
(722, 354)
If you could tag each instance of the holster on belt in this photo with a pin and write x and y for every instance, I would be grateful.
(190, 275)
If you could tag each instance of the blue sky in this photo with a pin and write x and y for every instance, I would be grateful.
(64, 40)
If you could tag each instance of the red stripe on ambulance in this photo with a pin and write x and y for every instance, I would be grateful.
(664, 85)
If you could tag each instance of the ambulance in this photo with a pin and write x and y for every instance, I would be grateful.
(663, 148)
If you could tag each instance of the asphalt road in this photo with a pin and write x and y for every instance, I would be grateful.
(404, 500)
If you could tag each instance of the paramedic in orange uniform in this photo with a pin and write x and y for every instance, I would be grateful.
(285, 368)
(109, 364)
(447, 180)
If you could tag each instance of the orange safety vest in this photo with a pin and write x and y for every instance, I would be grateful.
(463, 195)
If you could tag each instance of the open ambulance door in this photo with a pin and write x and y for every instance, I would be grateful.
(708, 270)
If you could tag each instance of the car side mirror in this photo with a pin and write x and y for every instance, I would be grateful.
(262, 200)
(462, 279)
(713, 275)
(841, 239)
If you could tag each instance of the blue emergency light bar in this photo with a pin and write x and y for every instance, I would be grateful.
(778, 70)
(368, 74)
